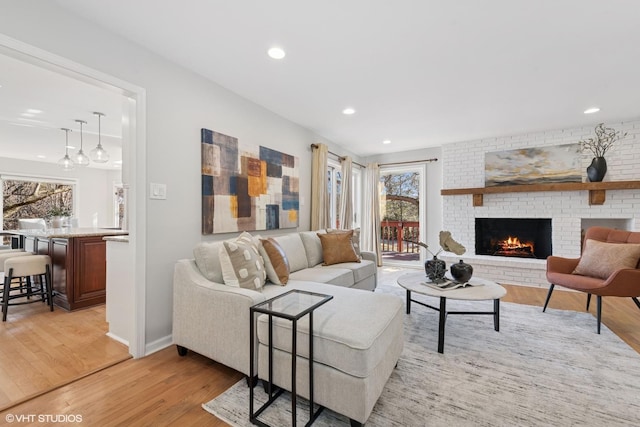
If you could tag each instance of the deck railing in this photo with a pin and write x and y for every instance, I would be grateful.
(399, 236)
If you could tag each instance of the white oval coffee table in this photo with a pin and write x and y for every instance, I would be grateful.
(483, 290)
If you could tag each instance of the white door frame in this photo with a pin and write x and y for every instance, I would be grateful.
(133, 152)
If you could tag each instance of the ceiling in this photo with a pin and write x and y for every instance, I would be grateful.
(419, 73)
(58, 100)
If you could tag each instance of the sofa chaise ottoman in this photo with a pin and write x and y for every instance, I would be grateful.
(358, 339)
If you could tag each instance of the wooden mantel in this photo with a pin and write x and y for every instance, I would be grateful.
(597, 190)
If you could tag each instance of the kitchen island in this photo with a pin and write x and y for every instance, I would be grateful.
(79, 261)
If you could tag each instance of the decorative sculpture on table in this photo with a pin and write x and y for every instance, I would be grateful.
(436, 268)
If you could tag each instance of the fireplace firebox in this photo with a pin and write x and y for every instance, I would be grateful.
(514, 237)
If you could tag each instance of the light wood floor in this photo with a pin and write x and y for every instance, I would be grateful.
(166, 389)
(41, 350)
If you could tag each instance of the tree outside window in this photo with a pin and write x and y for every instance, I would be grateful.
(33, 199)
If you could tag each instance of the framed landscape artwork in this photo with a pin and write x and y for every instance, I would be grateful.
(246, 188)
(543, 165)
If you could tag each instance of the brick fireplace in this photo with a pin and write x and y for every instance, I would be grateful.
(569, 212)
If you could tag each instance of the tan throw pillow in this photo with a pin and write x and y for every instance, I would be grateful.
(355, 239)
(275, 261)
(337, 248)
(601, 259)
(241, 263)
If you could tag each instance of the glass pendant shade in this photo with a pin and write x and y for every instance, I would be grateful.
(99, 154)
(66, 163)
(80, 158)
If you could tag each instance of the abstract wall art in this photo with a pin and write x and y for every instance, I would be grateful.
(246, 188)
(543, 165)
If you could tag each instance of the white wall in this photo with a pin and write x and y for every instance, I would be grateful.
(432, 198)
(179, 103)
(93, 196)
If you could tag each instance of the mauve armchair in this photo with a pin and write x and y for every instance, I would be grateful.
(623, 282)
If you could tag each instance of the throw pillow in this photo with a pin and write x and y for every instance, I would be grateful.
(601, 259)
(275, 261)
(241, 263)
(337, 248)
(355, 240)
(207, 257)
(312, 246)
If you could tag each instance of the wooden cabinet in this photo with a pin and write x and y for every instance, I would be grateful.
(79, 270)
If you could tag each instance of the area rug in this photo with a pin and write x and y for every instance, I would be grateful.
(541, 369)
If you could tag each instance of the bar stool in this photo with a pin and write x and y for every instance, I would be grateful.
(19, 274)
(10, 253)
(6, 254)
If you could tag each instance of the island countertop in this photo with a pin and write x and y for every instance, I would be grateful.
(67, 233)
(78, 261)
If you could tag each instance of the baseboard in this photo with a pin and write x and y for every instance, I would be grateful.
(117, 338)
(158, 345)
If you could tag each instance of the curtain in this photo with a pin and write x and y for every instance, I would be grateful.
(346, 196)
(319, 193)
(370, 233)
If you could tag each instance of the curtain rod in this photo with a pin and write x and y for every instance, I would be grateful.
(409, 162)
(434, 159)
(339, 157)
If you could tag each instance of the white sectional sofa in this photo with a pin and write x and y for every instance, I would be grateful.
(358, 335)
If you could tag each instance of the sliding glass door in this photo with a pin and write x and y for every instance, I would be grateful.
(402, 213)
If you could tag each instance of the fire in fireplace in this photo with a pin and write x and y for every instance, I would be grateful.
(514, 237)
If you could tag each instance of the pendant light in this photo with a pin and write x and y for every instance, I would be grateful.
(99, 154)
(66, 163)
(80, 158)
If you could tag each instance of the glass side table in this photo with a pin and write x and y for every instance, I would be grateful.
(292, 305)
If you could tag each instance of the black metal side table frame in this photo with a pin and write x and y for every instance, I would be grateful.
(265, 307)
(443, 315)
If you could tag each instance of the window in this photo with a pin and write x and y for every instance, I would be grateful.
(334, 187)
(118, 205)
(32, 197)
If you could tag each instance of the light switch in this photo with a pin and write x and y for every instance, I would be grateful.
(158, 191)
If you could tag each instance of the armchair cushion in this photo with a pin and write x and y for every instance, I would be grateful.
(601, 259)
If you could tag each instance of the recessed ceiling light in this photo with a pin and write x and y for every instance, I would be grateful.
(118, 162)
(386, 141)
(33, 111)
(276, 53)
(348, 111)
(591, 110)
(71, 147)
(40, 156)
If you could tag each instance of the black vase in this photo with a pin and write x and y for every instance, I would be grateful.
(461, 272)
(597, 169)
(435, 269)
